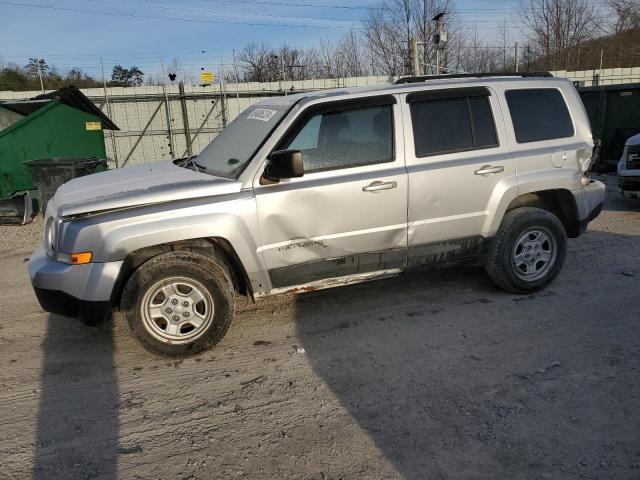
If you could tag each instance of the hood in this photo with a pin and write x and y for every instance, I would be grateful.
(634, 140)
(155, 182)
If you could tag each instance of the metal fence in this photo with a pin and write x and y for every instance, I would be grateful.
(176, 121)
(162, 125)
(173, 121)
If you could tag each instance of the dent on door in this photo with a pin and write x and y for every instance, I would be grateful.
(322, 236)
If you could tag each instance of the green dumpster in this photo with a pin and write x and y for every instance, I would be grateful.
(64, 123)
(614, 113)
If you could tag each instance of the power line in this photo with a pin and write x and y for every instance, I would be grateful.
(294, 4)
(175, 19)
(200, 10)
(245, 14)
(345, 7)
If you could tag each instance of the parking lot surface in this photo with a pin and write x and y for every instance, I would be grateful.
(426, 375)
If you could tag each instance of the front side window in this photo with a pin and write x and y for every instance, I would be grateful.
(447, 125)
(539, 114)
(345, 138)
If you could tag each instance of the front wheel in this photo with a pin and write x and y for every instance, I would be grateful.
(527, 252)
(178, 304)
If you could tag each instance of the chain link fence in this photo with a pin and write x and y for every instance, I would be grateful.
(166, 122)
(174, 121)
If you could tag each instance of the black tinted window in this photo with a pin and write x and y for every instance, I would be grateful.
(452, 125)
(346, 138)
(539, 114)
(484, 128)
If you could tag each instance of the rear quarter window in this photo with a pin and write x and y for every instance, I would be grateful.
(539, 114)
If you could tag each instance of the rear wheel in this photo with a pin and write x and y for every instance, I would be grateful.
(528, 251)
(178, 304)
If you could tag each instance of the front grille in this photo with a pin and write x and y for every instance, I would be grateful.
(633, 157)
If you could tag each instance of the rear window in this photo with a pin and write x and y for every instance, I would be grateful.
(539, 114)
(450, 125)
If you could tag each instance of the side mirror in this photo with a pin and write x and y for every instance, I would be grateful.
(284, 164)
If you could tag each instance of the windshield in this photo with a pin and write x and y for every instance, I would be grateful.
(231, 151)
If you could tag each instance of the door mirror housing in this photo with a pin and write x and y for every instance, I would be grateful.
(284, 164)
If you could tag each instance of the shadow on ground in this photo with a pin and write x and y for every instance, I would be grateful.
(452, 378)
(77, 434)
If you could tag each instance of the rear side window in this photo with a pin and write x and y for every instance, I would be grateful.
(539, 114)
(447, 125)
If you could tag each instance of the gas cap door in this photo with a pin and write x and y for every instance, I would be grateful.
(559, 158)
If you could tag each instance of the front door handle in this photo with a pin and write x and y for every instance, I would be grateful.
(379, 186)
(489, 169)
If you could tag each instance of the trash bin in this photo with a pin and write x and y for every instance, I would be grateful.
(49, 173)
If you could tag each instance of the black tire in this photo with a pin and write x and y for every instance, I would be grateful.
(209, 275)
(499, 262)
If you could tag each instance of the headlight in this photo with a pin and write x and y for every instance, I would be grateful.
(50, 237)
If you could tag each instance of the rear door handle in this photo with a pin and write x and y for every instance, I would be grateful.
(489, 169)
(379, 186)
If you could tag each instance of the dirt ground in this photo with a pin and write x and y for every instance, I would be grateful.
(421, 376)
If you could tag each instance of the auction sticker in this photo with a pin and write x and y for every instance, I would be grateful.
(262, 114)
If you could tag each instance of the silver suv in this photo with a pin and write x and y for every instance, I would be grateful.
(306, 188)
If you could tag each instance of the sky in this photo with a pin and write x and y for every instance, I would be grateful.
(199, 33)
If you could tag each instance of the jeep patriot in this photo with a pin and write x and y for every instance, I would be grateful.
(306, 188)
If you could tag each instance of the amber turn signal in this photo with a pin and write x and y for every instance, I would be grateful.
(81, 258)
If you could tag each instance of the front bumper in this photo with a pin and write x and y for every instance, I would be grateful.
(61, 303)
(629, 183)
(82, 291)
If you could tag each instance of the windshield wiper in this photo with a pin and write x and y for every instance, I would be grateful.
(191, 161)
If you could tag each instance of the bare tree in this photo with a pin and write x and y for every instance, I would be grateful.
(626, 14)
(349, 53)
(556, 26)
(382, 41)
(261, 63)
(476, 56)
(389, 31)
(256, 63)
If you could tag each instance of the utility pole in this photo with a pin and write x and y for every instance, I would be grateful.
(601, 58)
(284, 76)
(223, 94)
(39, 62)
(167, 111)
(109, 114)
(415, 57)
(185, 119)
(439, 39)
(515, 56)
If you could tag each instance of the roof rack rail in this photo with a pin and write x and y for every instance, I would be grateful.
(424, 78)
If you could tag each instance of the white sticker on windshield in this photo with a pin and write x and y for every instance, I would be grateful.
(262, 114)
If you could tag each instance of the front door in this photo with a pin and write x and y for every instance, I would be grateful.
(348, 213)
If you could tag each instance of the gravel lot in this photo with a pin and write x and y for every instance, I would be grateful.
(436, 375)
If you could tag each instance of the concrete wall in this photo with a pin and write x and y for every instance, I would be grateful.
(144, 139)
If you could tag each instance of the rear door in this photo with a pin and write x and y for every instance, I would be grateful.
(459, 165)
(348, 213)
(548, 146)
